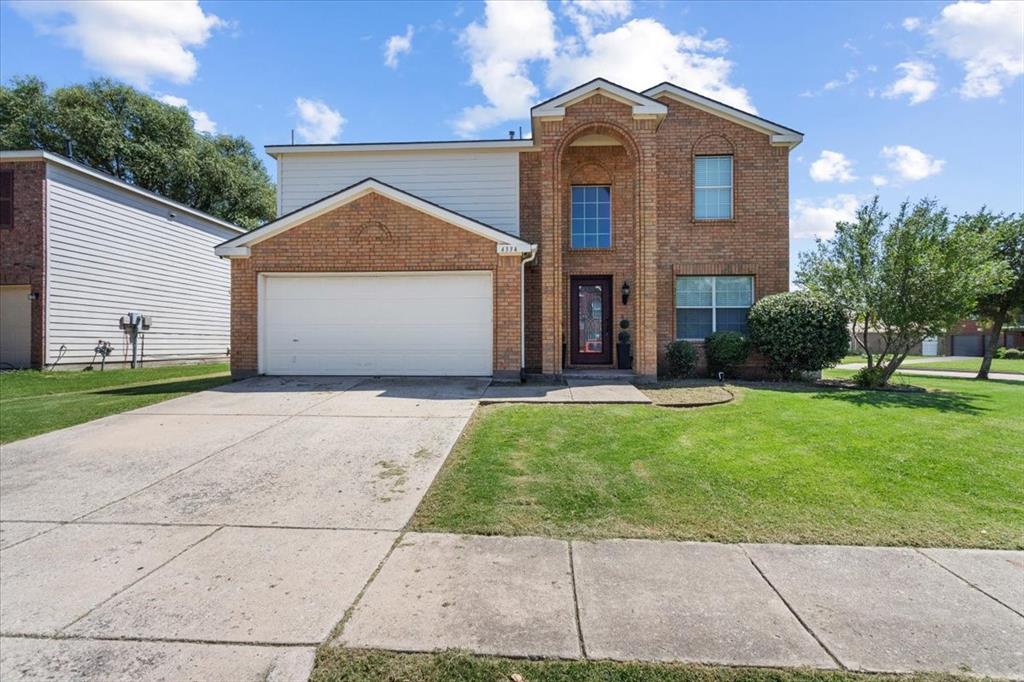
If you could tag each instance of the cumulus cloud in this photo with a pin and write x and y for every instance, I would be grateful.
(200, 119)
(318, 122)
(642, 53)
(818, 218)
(911, 164)
(879, 180)
(987, 39)
(513, 35)
(397, 45)
(832, 167)
(637, 54)
(918, 82)
(836, 83)
(912, 23)
(134, 41)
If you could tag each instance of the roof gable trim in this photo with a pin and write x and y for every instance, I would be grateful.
(239, 247)
(643, 106)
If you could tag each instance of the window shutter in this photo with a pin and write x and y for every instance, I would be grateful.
(6, 199)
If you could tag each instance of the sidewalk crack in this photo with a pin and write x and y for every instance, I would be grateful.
(965, 580)
(576, 603)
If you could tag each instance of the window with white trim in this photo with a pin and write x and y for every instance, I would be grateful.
(712, 304)
(712, 193)
(591, 217)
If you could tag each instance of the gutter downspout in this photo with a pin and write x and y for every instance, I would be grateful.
(522, 311)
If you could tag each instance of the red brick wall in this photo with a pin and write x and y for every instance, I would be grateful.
(23, 247)
(655, 235)
(374, 234)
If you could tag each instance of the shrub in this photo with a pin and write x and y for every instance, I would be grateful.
(726, 351)
(798, 332)
(870, 377)
(682, 358)
(1001, 352)
(1013, 354)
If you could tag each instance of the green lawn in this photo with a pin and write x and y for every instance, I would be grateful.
(33, 402)
(335, 664)
(971, 365)
(780, 464)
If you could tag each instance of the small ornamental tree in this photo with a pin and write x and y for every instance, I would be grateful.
(726, 351)
(903, 279)
(798, 332)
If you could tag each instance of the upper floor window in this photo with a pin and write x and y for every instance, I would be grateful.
(712, 196)
(712, 304)
(591, 217)
(6, 198)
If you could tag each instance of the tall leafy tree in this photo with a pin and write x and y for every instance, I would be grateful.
(120, 130)
(904, 277)
(1004, 238)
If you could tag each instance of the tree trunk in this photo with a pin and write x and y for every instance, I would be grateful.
(993, 342)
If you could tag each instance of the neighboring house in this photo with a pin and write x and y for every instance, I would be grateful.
(665, 209)
(969, 338)
(80, 248)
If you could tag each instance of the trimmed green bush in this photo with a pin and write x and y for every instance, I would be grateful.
(798, 332)
(726, 351)
(1001, 352)
(869, 377)
(1013, 354)
(682, 358)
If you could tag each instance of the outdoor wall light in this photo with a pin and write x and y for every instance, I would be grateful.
(625, 293)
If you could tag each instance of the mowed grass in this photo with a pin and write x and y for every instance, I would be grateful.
(335, 664)
(33, 402)
(782, 463)
(971, 365)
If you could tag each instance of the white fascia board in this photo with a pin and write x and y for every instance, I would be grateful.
(30, 154)
(355, 148)
(780, 135)
(643, 105)
(357, 191)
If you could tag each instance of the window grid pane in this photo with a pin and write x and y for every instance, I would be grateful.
(591, 224)
(708, 304)
(713, 187)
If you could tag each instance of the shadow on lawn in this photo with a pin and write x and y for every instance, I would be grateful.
(183, 386)
(942, 401)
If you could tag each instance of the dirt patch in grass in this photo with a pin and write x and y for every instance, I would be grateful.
(688, 393)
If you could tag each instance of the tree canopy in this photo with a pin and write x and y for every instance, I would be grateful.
(118, 129)
(904, 277)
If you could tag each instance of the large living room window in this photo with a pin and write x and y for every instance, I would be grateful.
(712, 304)
(591, 217)
(712, 195)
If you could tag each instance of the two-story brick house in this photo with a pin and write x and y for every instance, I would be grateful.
(665, 209)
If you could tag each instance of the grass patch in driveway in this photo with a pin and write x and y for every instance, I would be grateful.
(335, 664)
(783, 463)
(34, 402)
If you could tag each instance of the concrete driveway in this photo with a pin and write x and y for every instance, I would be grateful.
(164, 543)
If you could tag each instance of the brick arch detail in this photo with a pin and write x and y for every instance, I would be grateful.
(373, 230)
(590, 173)
(713, 143)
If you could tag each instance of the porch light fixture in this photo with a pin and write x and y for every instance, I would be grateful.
(625, 293)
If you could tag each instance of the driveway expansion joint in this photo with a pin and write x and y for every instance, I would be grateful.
(966, 581)
(576, 602)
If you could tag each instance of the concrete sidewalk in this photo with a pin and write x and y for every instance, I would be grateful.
(857, 608)
(574, 390)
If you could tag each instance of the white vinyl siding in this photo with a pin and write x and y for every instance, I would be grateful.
(111, 252)
(483, 185)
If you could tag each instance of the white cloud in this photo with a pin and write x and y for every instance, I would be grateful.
(642, 53)
(512, 35)
(832, 167)
(918, 82)
(588, 14)
(397, 45)
(848, 78)
(879, 180)
(135, 41)
(818, 219)
(988, 39)
(317, 122)
(910, 163)
(912, 23)
(202, 121)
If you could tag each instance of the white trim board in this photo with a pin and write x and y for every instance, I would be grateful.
(643, 106)
(239, 246)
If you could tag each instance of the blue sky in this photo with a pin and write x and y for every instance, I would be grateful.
(904, 99)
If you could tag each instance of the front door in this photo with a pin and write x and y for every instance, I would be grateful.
(591, 311)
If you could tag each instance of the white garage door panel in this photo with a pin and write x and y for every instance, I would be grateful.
(15, 326)
(408, 324)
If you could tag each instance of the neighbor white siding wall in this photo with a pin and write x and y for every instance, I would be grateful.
(111, 252)
(483, 185)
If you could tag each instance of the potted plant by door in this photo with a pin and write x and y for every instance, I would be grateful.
(625, 347)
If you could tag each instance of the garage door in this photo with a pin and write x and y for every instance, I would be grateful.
(968, 344)
(427, 324)
(15, 326)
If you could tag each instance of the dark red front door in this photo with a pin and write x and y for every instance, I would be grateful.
(591, 320)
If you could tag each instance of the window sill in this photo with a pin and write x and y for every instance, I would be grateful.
(713, 221)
